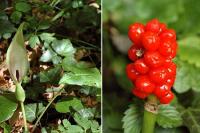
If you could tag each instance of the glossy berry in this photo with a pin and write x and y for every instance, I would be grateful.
(171, 80)
(150, 41)
(134, 53)
(171, 69)
(168, 34)
(162, 90)
(144, 84)
(139, 93)
(167, 98)
(153, 26)
(135, 33)
(131, 72)
(152, 70)
(163, 27)
(159, 75)
(141, 66)
(153, 59)
(166, 48)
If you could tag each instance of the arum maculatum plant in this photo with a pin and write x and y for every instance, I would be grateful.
(152, 71)
(18, 65)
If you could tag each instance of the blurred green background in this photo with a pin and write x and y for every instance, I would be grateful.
(181, 15)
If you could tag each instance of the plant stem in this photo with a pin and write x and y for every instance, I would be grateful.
(24, 116)
(150, 113)
(50, 102)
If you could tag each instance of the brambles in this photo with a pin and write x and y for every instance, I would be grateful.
(153, 71)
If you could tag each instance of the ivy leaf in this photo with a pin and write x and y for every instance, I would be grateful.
(64, 105)
(190, 47)
(16, 57)
(74, 129)
(47, 55)
(191, 119)
(66, 123)
(83, 122)
(34, 40)
(52, 75)
(8, 105)
(186, 77)
(22, 6)
(5, 25)
(16, 17)
(63, 47)
(33, 110)
(86, 76)
(132, 120)
(47, 37)
(168, 117)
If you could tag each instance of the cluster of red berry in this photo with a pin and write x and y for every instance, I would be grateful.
(152, 71)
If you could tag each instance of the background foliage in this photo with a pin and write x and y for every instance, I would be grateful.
(63, 45)
(182, 115)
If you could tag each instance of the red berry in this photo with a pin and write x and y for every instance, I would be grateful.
(153, 26)
(150, 41)
(162, 90)
(158, 75)
(153, 71)
(167, 98)
(166, 48)
(153, 59)
(134, 52)
(131, 72)
(168, 34)
(144, 84)
(174, 49)
(135, 33)
(162, 27)
(141, 66)
(171, 69)
(171, 80)
(139, 94)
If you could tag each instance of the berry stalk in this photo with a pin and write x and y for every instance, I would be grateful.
(150, 113)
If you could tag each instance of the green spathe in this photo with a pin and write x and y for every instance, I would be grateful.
(16, 57)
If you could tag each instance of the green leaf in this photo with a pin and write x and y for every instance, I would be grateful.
(7, 35)
(168, 117)
(86, 113)
(132, 120)
(48, 55)
(22, 7)
(82, 76)
(169, 130)
(47, 37)
(83, 122)
(66, 123)
(16, 16)
(74, 129)
(16, 57)
(8, 105)
(5, 25)
(63, 47)
(52, 75)
(190, 47)
(187, 77)
(33, 110)
(191, 119)
(34, 40)
(6, 128)
(64, 105)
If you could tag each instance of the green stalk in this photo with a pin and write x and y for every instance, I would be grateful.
(150, 113)
(38, 120)
(24, 117)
